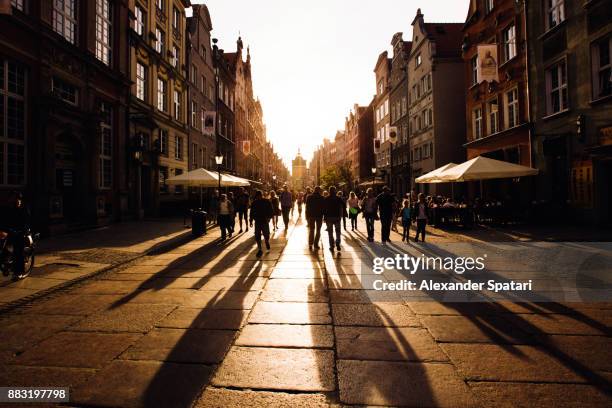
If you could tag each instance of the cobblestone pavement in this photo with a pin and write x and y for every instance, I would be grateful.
(208, 324)
(65, 258)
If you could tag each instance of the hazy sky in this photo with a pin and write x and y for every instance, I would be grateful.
(312, 60)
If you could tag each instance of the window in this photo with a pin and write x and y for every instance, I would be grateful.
(203, 53)
(12, 123)
(602, 67)
(512, 109)
(194, 114)
(140, 21)
(556, 88)
(477, 123)
(64, 19)
(160, 40)
(194, 155)
(428, 83)
(104, 17)
(18, 4)
(163, 176)
(430, 116)
(65, 91)
(178, 147)
(202, 119)
(176, 19)
(404, 105)
(177, 105)
(160, 5)
(418, 60)
(474, 70)
(555, 13)
(162, 103)
(489, 5)
(386, 109)
(105, 171)
(381, 87)
(141, 81)
(194, 74)
(163, 142)
(175, 56)
(203, 84)
(493, 114)
(509, 42)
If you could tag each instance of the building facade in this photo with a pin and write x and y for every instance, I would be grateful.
(63, 105)
(570, 89)
(399, 118)
(158, 124)
(435, 80)
(201, 106)
(497, 98)
(382, 71)
(298, 173)
(224, 107)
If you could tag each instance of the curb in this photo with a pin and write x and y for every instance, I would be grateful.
(155, 249)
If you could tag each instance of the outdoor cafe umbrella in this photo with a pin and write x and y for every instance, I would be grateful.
(206, 178)
(483, 168)
(432, 176)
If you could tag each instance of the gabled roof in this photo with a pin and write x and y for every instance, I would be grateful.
(447, 36)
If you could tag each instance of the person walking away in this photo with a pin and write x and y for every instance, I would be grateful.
(370, 209)
(300, 203)
(230, 196)
(225, 211)
(286, 201)
(344, 213)
(314, 217)
(276, 209)
(397, 208)
(420, 214)
(14, 221)
(293, 200)
(242, 208)
(406, 220)
(333, 211)
(385, 205)
(261, 212)
(353, 204)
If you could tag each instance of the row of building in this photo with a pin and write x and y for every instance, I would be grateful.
(528, 82)
(102, 101)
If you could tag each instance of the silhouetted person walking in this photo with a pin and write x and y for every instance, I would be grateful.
(333, 210)
(385, 201)
(261, 213)
(314, 217)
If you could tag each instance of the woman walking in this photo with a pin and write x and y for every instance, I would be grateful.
(420, 214)
(353, 204)
(406, 220)
(370, 209)
(276, 209)
(225, 211)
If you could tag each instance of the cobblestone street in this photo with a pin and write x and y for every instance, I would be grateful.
(208, 324)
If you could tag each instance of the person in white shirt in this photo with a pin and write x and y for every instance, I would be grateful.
(225, 211)
(421, 218)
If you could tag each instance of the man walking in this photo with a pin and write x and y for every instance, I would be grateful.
(385, 203)
(314, 217)
(286, 200)
(225, 211)
(242, 207)
(333, 210)
(261, 213)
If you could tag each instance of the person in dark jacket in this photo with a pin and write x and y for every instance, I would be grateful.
(385, 201)
(333, 210)
(314, 217)
(14, 220)
(261, 213)
(242, 207)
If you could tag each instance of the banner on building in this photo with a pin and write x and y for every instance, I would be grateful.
(209, 123)
(393, 134)
(487, 63)
(6, 7)
(246, 147)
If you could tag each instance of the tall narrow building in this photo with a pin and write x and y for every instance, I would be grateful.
(158, 105)
(437, 99)
(382, 71)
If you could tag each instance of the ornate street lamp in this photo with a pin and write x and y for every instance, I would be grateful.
(373, 176)
(219, 161)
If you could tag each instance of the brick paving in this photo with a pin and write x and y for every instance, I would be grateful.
(206, 324)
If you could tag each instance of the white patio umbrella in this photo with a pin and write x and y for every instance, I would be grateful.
(483, 168)
(206, 178)
(432, 176)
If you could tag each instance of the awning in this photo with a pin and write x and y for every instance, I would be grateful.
(206, 178)
(432, 176)
(483, 168)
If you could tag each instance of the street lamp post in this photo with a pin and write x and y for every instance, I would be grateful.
(373, 176)
(219, 161)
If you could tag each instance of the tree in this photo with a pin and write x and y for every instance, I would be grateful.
(337, 174)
